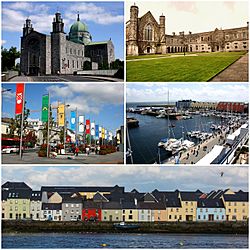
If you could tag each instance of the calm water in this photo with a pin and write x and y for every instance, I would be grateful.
(123, 241)
(145, 138)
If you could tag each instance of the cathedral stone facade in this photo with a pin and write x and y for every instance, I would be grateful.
(145, 35)
(59, 53)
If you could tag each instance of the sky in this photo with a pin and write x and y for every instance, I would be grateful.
(105, 20)
(102, 103)
(144, 179)
(158, 92)
(195, 16)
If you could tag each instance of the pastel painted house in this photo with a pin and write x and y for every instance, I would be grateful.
(35, 205)
(111, 211)
(51, 211)
(91, 211)
(72, 208)
(211, 210)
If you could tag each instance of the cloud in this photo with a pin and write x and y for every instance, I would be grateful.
(197, 92)
(88, 98)
(184, 6)
(164, 178)
(3, 42)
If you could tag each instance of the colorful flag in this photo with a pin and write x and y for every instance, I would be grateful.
(96, 132)
(61, 115)
(100, 132)
(92, 129)
(81, 123)
(106, 134)
(73, 120)
(87, 127)
(45, 108)
(19, 98)
(103, 133)
(110, 136)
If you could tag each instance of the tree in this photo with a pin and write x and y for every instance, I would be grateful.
(31, 139)
(15, 123)
(87, 65)
(9, 57)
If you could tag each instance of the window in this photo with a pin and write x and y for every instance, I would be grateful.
(177, 209)
(77, 205)
(170, 216)
(229, 210)
(235, 203)
(180, 217)
(201, 210)
(16, 208)
(123, 211)
(24, 216)
(243, 204)
(72, 205)
(234, 217)
(10, 215)
(175, 217)
(171, 210)
(186, 210)
(202, 38)
(130, 217)
(66, 205)
(24, 201)
(229, 204)
(217, 217)
(37, 216)
(199, 217)
(243, 210)
(73, 64)
(16, 201)
(70, 51)
(222, 217)
(186, 203)
(130, 211)
(148, 33)
(204, 217)
(235, 210)
(2, 215)
(244, 34)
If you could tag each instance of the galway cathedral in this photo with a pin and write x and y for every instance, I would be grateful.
(60, 53)
(145, 35)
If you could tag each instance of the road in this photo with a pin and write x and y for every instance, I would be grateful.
(64, 78)
(31, 157)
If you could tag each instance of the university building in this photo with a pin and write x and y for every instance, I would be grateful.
(144, 35)
(60, 53)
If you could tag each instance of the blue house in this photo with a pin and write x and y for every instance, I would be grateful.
(210, 210)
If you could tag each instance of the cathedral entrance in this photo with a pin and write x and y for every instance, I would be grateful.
(148, 50)
(34, 57)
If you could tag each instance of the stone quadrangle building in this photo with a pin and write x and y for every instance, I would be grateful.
(59, 53)
(144, 35)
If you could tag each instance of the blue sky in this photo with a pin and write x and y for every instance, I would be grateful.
(102, 103)
(143, 178)
(158, 92)
(105, 20)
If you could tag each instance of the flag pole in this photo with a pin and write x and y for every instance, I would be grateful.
(22, 119)
(48, 127)
(76, 126)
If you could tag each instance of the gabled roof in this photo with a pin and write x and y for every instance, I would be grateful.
(51, 206)
(72, 199)
(15, 185)
(19, 194)
(88, 204)
(111, 205)
(149, 197)
(170, 199)
(98, 197)
(148, 16)
(149, 205)
(210, 203)
(190, 196)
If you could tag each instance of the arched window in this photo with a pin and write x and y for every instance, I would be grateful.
(148, 33)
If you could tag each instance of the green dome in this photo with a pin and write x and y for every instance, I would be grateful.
(78, 26)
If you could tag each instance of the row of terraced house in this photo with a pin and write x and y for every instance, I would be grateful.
(81, 203)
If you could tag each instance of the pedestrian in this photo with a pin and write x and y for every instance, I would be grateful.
(76, 151)
(87, 150)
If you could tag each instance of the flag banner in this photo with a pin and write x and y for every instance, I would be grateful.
(103, 133)
(92, 129)
(110, 136)
(45, 108)
(106, 135)
(61, 115)
(87, 127)
(81, 123)
(96, 132)
(73, 120)
(100, 132)
(19, 98)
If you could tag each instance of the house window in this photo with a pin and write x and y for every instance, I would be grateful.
(123, 211)
(170, 216)
(72, 205)
(180, 217)
(148, 33)
(171, 210)
(204, 217)
(70, 51)
(186, 210)
(235, 203)
(37, 216)
(235, 210)
(243, 204)
(24, 216)
(201, 210)
(175, 217)
(130, 211)
(16, 201)
(202, 38)
(73, 64)
(2, 215)
(234, 217)
(10, 215)
(217, 217)
(77, 205)
(177, 209)
(66, 205)
(199, 217)
(222, 217)
(130, 217)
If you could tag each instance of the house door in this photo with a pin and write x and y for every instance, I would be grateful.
(211, 217)
(110, 218)
(123, 218)
(227, 217)
(218, 48)
(148, 49)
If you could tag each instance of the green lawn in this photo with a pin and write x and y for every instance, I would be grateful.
(198, 68)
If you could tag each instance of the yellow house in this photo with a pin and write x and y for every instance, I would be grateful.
(188, 202)
(236, 204)
(111, 211)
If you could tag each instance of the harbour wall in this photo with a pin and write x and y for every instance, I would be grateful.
(108, 227)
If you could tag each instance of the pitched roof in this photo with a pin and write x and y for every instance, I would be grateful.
(15, 185)
(36, 196)
(51, 206)
(19, 194)
(241, 197)
(190, 196)
(210, 203)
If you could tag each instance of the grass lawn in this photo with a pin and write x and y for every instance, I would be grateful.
(198, 68)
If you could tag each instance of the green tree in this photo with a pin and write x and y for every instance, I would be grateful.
(9, 57)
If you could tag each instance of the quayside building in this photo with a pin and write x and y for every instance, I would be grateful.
(99, 203)
(144, 35)
(59, 53)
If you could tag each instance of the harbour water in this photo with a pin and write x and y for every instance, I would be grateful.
(57, 240)
(145, 138)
